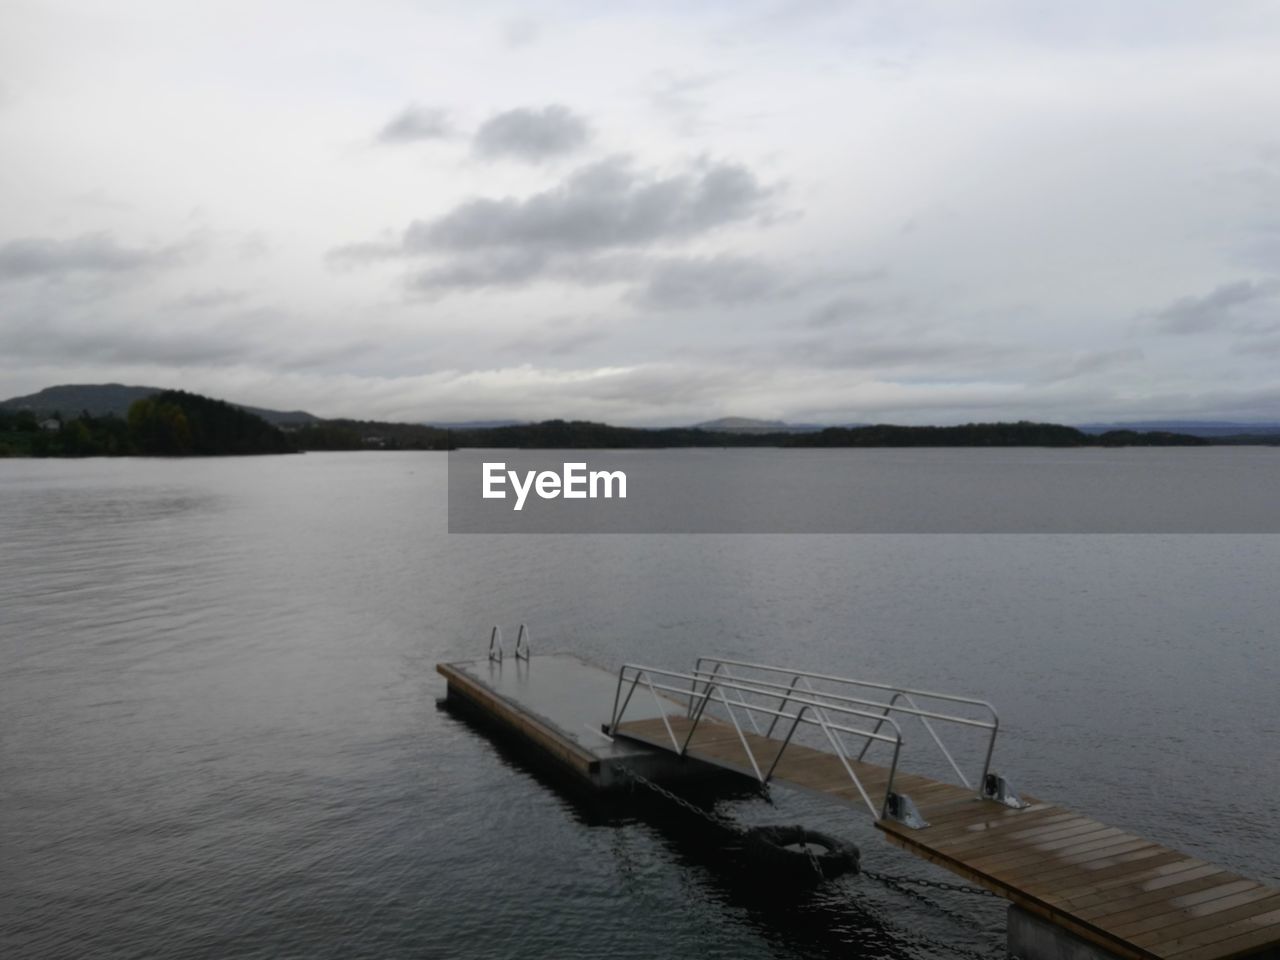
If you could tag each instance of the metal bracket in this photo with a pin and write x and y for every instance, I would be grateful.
(900, 807)
(997, 788)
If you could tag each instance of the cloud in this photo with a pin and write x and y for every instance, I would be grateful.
(594, 228)
(520, 32)
(516, 268)
(688, 283)
(605, 205)
(1220, 307)
(1089, 363)
(682, 100)
(89, 253)
(838, 311)
(209, 299)
(416, 123)
(242, 338)
(531, 135)
(559, 337)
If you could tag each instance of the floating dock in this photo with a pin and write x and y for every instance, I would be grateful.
(558, 703)
(1077, 888)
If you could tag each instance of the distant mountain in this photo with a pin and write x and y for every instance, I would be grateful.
(1195, 428)
(100, 399)
(748, 425)
(473, 424)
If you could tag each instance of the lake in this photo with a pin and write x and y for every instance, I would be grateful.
(219, 731)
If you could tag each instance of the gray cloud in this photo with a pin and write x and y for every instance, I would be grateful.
(687, 283)
(591, 230)
(532, 135)
(91, 253)
(838, 311)
(500, 269)
(1216, 309)
(1093, 362)
(560, 337)
(416, 123)
(605, 205)
(209, 299)
(503, 268)
(239, 339)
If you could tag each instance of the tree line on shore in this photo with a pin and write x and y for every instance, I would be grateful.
(177, 423)
(172, 423)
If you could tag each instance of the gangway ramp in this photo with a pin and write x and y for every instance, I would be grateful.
(1127, 895)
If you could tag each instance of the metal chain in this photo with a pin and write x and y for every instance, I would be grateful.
(889, 879)
(722, 822)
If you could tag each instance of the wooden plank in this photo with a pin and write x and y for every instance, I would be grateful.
(1087, 860)
(1101, 905)
(1130, 896)
(1086, 867)
(1049, 826)
(1234, 912)
(1160, 870)
(1173, 908)
(979, 825)
(1213, 944)
(1035, 845)
(971, 811)
(1046, 855)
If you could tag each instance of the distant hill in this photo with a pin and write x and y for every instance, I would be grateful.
(100, 399)
(749, 425)
(473, 424)
(1195, 428)
(171, 423)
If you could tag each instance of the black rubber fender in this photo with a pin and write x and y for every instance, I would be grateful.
(783, 847)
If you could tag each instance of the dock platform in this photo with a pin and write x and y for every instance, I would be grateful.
(1134, 898)
(1077, 887)
(559, 702)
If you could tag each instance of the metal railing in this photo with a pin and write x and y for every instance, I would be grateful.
(701, 689)
(522, 643)
(902, 701)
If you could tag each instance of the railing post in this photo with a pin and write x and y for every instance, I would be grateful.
(791, 688)
(778, 756)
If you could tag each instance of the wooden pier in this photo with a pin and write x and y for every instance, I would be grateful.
(1134, 898)
(1077, 887)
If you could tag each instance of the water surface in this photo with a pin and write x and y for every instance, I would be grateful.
(219, 732)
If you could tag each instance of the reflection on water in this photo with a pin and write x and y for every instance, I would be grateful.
(219, 733)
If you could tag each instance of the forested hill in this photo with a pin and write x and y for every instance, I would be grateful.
(102, 399)
(169, 423)
(582, 434)
(176, 423)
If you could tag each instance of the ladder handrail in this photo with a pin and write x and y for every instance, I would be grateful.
(495, 644)
(522, 643)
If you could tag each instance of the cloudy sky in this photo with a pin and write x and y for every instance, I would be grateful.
(649, 213)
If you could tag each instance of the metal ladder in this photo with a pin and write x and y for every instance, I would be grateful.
(522, 650)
